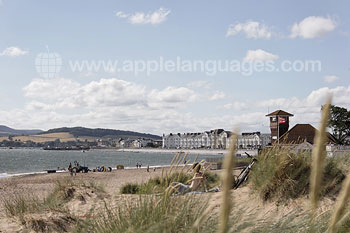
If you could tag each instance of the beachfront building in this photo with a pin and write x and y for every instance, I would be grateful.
(279, 124)
(253, 140)
(136, 143)
(171, 141)
(224, 140)
(213, 139)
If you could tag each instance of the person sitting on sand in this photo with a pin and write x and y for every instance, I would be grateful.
(197, 181)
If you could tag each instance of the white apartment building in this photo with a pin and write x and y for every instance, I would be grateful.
(215, 139)
(254, 140)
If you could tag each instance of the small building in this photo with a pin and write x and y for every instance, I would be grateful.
(279, 124)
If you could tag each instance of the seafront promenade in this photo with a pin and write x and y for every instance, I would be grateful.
(174, 151)
(189, 151)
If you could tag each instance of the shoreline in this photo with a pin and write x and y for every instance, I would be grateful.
(38, 173)
(174, 151)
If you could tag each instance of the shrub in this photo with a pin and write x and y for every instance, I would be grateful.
(18, 205)
(129, 188)
(152, 214)
(282, 174)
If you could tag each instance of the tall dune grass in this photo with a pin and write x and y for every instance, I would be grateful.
(318, 156)
(227, 181)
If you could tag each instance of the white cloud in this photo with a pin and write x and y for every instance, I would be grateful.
(13, 52)
(217, 96)
(252, 29)
(307, 110)
(259, 55)
(70, 94)
(330, 78)
(156, 17)
(119, 104)
(121, 14)
(237, 105)
(103, 93)
(111, 103)
(312, 27)
(170, 97)
(42, 89)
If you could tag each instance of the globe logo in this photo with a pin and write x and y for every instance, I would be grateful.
(48, 65)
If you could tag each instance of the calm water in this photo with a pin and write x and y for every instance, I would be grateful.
(18, 161)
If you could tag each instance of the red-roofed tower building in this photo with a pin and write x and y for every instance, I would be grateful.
(279, 124)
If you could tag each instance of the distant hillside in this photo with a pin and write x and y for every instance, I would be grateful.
(6, 131)
(100, 133)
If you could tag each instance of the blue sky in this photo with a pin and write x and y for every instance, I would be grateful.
(170, 101)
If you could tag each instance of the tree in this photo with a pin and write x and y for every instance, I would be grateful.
(340, 124)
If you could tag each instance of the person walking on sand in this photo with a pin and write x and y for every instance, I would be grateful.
(147, 168)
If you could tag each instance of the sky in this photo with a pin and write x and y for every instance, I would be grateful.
(170, 66)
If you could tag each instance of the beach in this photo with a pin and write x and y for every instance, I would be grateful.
(87, 201)
(41, 185)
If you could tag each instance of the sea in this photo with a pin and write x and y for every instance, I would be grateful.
(15, 162)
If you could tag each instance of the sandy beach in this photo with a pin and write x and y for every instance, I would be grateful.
(40, 185)
(87, 200)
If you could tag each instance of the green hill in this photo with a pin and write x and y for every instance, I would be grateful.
(100, 133)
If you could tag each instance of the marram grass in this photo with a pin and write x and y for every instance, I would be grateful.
(227, 180)
(318, 156)
(340, 205)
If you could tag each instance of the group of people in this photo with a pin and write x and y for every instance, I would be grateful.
(102, 169)
(138, 165)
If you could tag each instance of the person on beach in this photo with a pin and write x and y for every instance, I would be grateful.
(147, 168)
(70, 169)
(137, 165)
(197, 181)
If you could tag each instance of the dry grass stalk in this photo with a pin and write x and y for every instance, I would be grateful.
(227, 180)
(184, 166)
(343, 219)
(318, 156)
(199, 220)
(340, 205)
(174, 161)
(184, 158)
